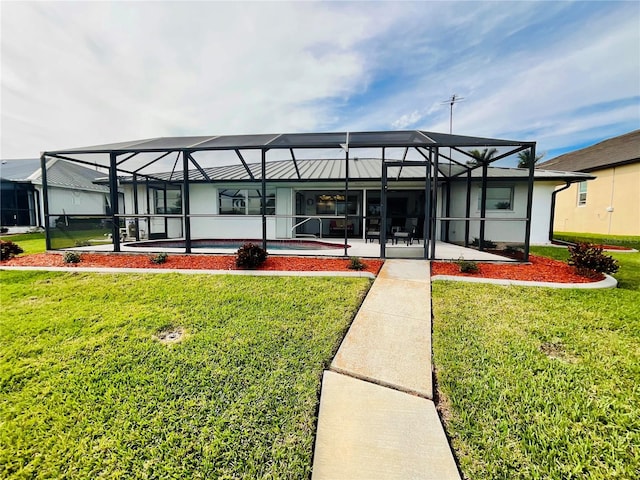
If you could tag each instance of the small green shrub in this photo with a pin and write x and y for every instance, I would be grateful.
(356, 264)
(159, 258)
(9, 250)
(589, 261)
(71, 257)
(486, 243)
(4, 229)
(250, 256)
(467, 266)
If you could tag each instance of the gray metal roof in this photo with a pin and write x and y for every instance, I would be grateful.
(18, 170)
(60, 173)
(362, 169)
(396, 138)
(608, 153)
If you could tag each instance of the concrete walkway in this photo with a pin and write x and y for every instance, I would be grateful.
(377, 418)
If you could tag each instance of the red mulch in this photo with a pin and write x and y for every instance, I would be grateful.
(197, 262)
(539, 269)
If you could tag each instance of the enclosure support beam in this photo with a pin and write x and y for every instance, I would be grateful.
(346, 200)
(527, 231)
(135, 206)
(45, 201)
(434, 203)
(467, 211)
(263, 206)
(426, 224)
(186, 210)
(383, 208)
(483, 203)
(113, 193)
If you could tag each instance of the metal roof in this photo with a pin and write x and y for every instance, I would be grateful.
(361, 169)
(395, 138)
(60, 173)
(614, 151)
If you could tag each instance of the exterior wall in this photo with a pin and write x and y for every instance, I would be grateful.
(612, 206)
(204, 201)
(512, 231)
(66, 201)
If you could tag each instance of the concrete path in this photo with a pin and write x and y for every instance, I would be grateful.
(377, 419)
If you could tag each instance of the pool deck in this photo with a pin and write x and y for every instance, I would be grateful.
(357, 248)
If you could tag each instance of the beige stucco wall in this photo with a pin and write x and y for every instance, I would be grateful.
(616, 189)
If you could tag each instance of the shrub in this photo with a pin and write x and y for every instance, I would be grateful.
(356, 264)
(589, 261)
(250, 256)
(9, 250)
(159, 258)
(486, 243)
(71, 257)
(4, 229)
(467, 266)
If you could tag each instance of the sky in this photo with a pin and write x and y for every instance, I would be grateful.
(563, 74)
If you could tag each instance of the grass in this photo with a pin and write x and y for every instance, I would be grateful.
(541, 383)
(86, 391)
(632, 241)
(30, 242)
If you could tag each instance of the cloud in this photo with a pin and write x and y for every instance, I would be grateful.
(89, 73)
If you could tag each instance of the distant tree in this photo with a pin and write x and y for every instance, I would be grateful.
(480, 157)
(525, 158)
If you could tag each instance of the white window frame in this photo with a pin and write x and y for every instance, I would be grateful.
(582, 194)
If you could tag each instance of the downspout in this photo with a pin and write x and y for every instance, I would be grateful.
(553, 209)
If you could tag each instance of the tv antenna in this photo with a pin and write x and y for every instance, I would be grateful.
(452, 101)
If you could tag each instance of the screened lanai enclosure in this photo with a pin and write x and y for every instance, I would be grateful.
(392, 188)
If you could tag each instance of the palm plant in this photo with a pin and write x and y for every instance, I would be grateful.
(480, 157)
(526, 157)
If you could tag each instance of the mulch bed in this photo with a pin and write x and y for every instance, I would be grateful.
(539, 269)
(192, 262)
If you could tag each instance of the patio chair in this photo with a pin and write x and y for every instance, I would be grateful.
(373, 230)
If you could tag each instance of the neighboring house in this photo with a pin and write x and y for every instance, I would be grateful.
(609, 204)
(71, 190)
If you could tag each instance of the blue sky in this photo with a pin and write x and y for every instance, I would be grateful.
(563, 74)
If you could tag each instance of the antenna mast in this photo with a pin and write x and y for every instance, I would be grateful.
(452, 101)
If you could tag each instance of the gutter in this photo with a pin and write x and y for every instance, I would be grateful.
(553, 208)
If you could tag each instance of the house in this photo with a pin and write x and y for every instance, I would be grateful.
(401, 184)
(608, 204)
(71, 191)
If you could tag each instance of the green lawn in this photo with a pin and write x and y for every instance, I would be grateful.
(30, 242)
(632, 241)
(541, 383)
(86, 391)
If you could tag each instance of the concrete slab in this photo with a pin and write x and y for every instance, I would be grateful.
(389, 341)
(370, 432)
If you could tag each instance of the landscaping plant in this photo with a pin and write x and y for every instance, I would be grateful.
(71, 257)
(467, 266)
(486, 243)
(589, 261)
(250, 256)
(9, 250)
(356, 264)
(159, 258)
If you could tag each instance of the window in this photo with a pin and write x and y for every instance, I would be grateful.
(498, 198)
(245, 202)
(168, 201)
(334, 204)
(582, 194)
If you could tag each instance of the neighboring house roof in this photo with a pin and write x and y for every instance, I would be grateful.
(18, 170)
(60, 173)
(606, 154)
(335, 170)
